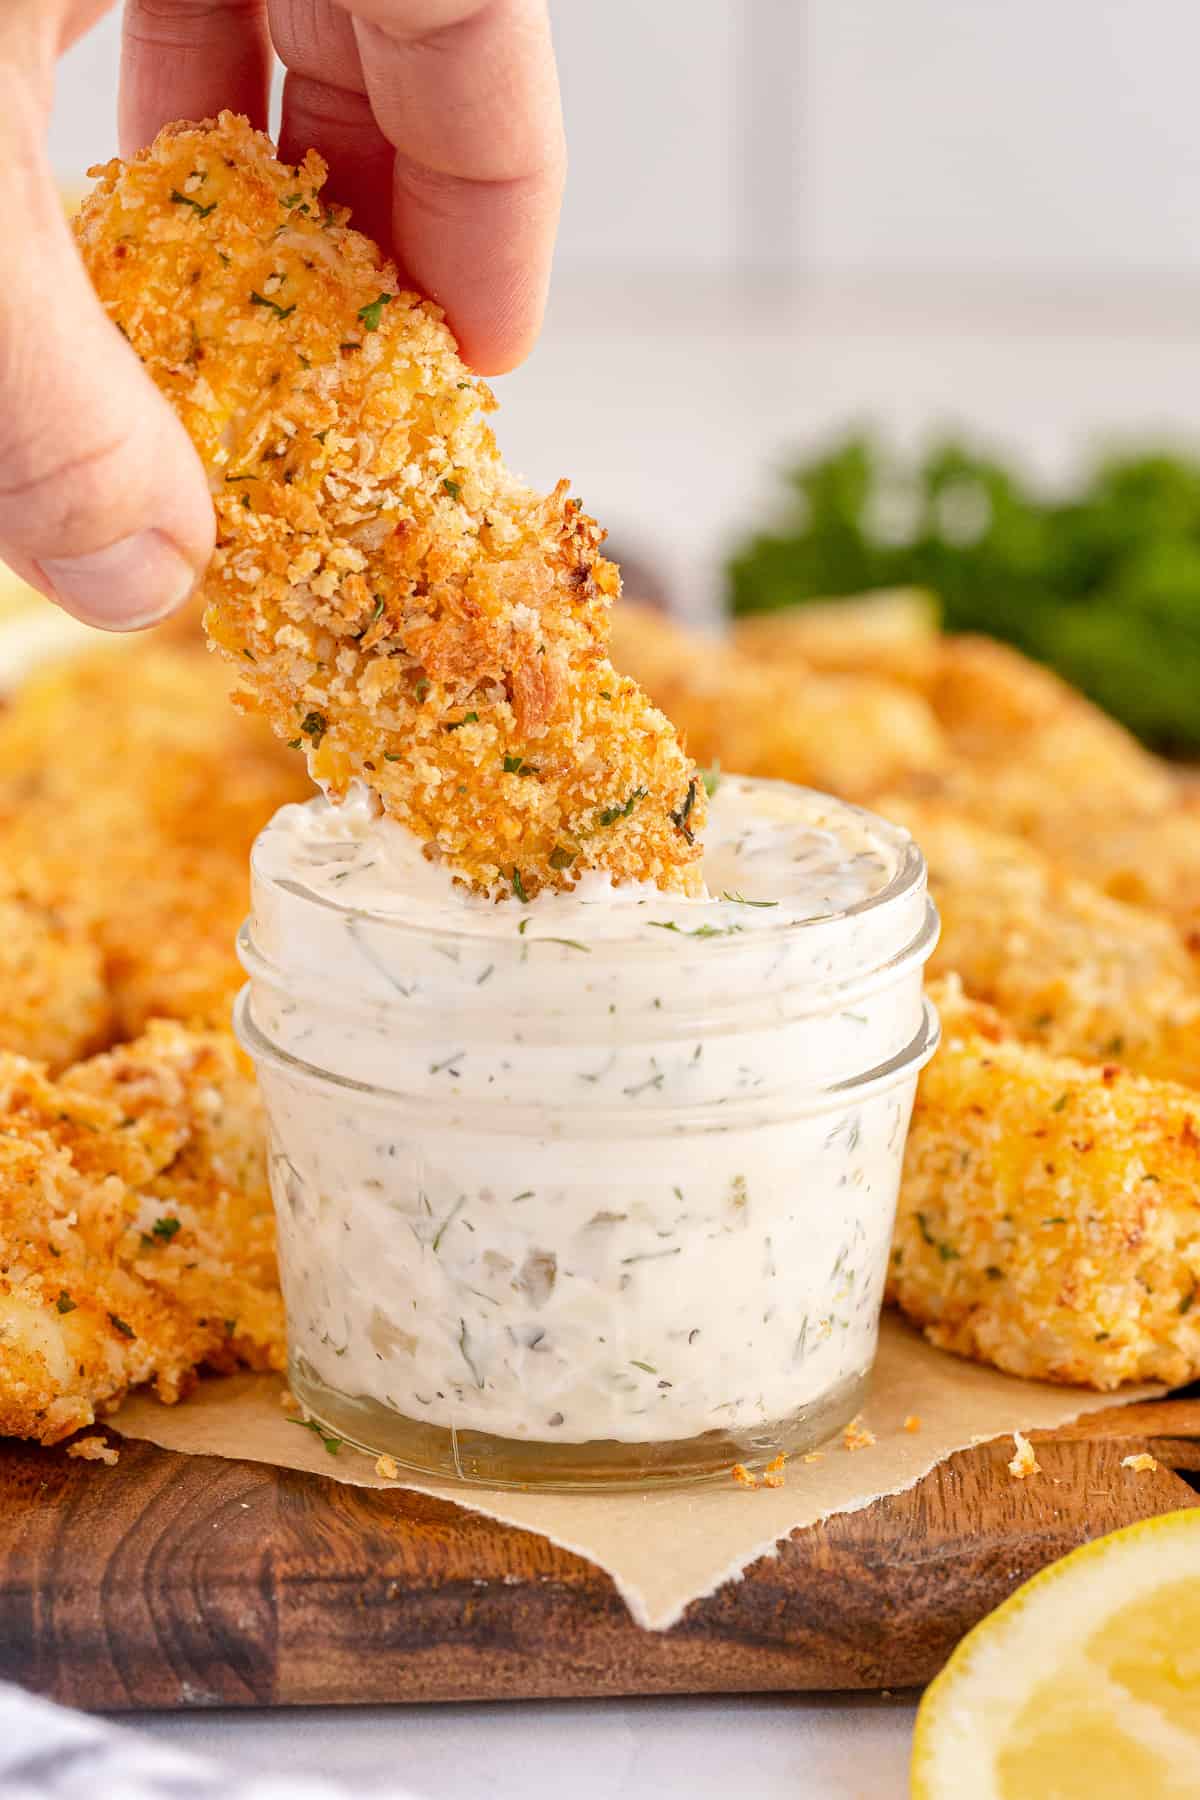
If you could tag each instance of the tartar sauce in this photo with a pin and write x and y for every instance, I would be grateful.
(614, 1168)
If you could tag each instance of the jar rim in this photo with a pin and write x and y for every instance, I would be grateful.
(908, 876)
(520, 1118)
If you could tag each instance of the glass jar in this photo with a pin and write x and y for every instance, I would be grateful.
(583, 1211)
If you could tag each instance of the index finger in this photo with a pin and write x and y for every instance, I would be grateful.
(468, 95)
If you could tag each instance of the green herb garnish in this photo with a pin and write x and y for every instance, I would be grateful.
(561, 858)
(452, 488)
(471, 718)
(64, 1303)
(120, 1325)
(392, 756)
(711, 779)
(519, 886)
(515, 765)
(636, 1363)
(741, 900)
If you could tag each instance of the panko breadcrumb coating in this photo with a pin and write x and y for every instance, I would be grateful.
(1070, 968)
(845, 734)
(400, 607)
(1049, 1217)
(130, 793)
(136, 1231)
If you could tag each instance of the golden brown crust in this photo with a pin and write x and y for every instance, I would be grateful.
(395, 603)
(1049, 1220)
(1072, 969)
(136, 1231)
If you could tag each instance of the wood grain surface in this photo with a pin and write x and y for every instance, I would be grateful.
(173, 1581)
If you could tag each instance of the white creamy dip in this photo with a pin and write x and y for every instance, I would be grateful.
(616, 1166)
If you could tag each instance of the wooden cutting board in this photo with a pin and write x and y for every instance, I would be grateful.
(176, 1581)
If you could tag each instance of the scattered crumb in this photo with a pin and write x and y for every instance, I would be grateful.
(773, 1476)
(288, 1401)
(913, 1422)
(815, 1456)
(1024, 1462)
(857, 1436)
(94, 1449)
(743, 1477)
(387, 1468)
(1143, 1463)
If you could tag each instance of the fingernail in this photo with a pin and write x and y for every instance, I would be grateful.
(134, 582)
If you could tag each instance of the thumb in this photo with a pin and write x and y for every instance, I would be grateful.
(103, 503)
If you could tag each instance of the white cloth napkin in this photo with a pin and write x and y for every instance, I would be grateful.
(48, 1753)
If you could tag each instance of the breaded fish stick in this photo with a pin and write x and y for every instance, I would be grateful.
(400, 607)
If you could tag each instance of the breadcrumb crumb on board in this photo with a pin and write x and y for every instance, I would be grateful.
(857, 1436)
(1141, 1464)
(1024, 1463)
(94, 1449)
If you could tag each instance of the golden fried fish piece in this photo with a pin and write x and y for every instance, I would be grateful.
(136, 1230)
(1049, 1222)
(397, 604)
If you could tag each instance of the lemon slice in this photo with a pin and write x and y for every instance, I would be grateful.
(1084, 1685)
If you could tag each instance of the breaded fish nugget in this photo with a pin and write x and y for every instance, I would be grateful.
(397, 604)
(136, 1230)
(845, 734)
(1049, 1218)
(1070, 968)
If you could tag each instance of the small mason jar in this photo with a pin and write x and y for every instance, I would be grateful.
(599, 1207)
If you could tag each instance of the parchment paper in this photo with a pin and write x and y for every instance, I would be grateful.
(664, 1550)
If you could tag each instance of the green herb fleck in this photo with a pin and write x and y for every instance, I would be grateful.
(513, 765)
(680, 817)
(313, 726)
(281, 312)
(1058, 1219)
(519, 886)
(331, 1443)
(1185, 1305)
(120, 1325)
(610, 814)
(561, 858)
(741, 900)
(1060, 1103)
(711, 778)
(392, 756)
(64, 1302)
(993, 1273)
(166, 1228)
(372, 313)
(184, 200)
(452, 488)
(422, 688)
(293, 743)
(471, 718)
(637, 1364)
(701, 931)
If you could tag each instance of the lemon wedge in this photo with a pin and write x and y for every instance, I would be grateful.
(1084, 1685)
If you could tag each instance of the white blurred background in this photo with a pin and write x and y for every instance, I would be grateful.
(786, 216)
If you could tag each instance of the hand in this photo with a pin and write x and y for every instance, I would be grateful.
(440, 123)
